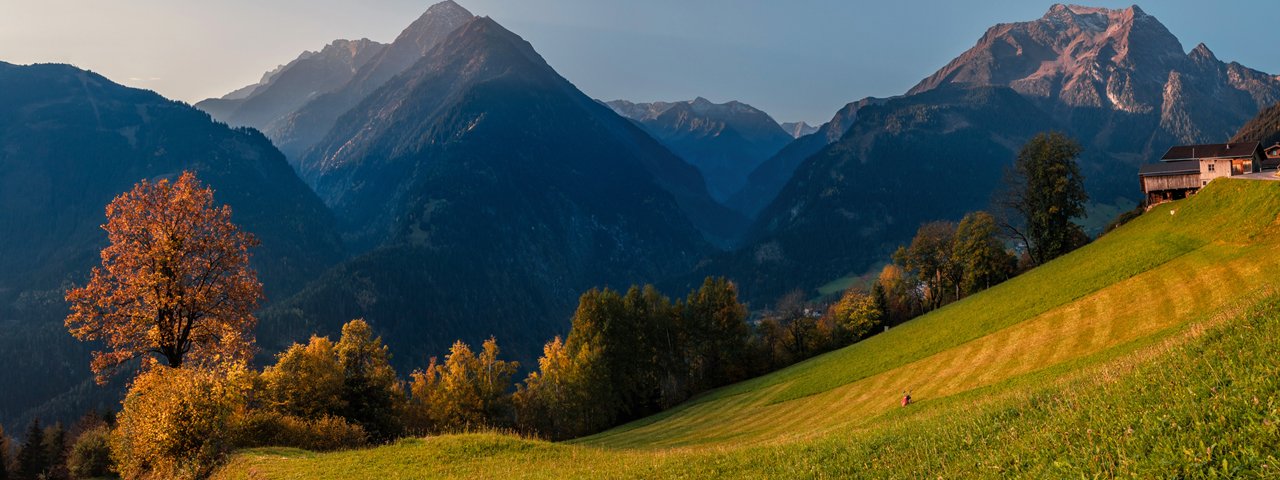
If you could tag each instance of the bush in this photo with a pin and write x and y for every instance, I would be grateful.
(91, 454)
(268, 428)
(175, 422)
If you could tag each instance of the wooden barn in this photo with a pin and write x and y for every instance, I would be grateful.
(1184, 169)
(1272, 160)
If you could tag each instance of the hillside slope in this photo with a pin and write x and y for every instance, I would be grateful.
(1265, 128)
(1124, 358)
(70, 141)
(902, 163)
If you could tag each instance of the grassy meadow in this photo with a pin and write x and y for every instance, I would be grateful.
(1150, 352)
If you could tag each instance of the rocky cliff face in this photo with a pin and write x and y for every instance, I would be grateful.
(1118, 81)
(724, 141)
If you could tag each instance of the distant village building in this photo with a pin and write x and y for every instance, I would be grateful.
(1185, 169)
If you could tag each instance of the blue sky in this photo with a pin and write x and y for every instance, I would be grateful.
(796, 59)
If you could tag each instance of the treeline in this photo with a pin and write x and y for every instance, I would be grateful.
(626, 355)
(58, 453)
(946, 262)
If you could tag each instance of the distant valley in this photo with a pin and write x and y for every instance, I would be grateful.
(450, 184)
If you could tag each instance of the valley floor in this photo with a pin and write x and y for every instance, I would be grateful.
(1149, 353)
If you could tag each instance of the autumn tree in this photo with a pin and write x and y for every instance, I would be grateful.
(1044, 192)
(852, 317)
(558, 400)
(901, 297)
(307, 381)
(494, 382)
(174, 282)
(176, 423)
(466, 391)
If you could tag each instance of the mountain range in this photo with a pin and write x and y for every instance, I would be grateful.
(485, 192)
(297, 128)
(1116, 80)
(452, 185)
(724, 141)
(287, 88)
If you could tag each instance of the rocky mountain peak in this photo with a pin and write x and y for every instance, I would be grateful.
(798, 129)
(350, 50)
(440, 15)
(1202, 54)
(1117, 59)
(482, 40)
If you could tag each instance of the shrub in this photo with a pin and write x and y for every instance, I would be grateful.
(269, 428)
(175, 422)
(91, 454)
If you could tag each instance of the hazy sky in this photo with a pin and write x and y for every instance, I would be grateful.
(796, 59)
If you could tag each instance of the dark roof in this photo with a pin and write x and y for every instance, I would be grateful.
(1180, 167)
(1215, 150)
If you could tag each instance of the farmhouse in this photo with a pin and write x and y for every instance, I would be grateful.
(1184, 169)
(1273, 157)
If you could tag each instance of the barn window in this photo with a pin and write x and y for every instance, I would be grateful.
(1210, 167)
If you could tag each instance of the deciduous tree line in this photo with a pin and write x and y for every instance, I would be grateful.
(172, 303)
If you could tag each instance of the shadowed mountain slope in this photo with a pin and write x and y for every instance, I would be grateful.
(70, 141)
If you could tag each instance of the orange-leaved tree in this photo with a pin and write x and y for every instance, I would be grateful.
(174, 283)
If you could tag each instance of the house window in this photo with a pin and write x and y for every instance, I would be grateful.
(1210, 167)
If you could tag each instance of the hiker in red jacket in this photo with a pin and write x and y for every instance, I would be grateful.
(906, 399)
